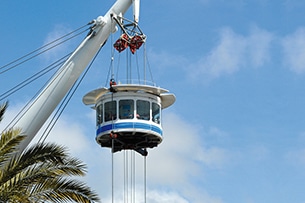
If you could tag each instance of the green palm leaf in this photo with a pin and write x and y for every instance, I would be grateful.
(42, 173)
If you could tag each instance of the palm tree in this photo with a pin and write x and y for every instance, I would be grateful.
(42, 173)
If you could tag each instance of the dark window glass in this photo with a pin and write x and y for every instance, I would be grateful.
(156, 113)
(99, 114)
(126, 109)
(143, 109)
(110, 111)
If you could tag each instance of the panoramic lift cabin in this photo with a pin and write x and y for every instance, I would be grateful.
(130, 115)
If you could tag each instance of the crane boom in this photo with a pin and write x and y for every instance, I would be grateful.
(61, 83)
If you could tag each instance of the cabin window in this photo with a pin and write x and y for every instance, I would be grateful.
(156, 113)
(126, 109)
(143, 110)
(110, 111)
(99, 114)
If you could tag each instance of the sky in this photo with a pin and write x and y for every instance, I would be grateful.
(236, 133)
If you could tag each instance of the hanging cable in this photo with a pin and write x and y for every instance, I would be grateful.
(118, 65)
(42, 50)
(126, 179)
(138, 68)
(112, 55)
(113, 150)
(112, 171)
(112, 118)
(127, 185)
(65, 102)
(30, 102)
(127, 68)
(144, 179)
(133, 177)
(108, 76)
(144, 63)
(148, 64)
(124, 176)
(28, 105)
(111, 66)
(33, 77)
(130, 67)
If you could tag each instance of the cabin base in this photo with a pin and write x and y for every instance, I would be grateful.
(137, 141)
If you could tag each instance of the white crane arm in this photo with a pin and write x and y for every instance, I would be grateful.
(61, 83)
(136, 10)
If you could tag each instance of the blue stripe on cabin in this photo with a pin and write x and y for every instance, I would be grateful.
(128, 125)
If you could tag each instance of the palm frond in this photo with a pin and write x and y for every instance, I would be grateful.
(2, 110)
(41, 173)
(64, 190)
(41, 154)
(55, 154)
(9, 142)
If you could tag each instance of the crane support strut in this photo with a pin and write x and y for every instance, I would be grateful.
(61, 83)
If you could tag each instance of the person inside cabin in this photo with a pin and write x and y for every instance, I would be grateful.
(110, 116)
(126, 109)
(143, 108)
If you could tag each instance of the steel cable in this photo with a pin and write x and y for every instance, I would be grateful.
(42, 50)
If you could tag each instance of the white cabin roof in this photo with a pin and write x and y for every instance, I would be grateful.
(167, 98)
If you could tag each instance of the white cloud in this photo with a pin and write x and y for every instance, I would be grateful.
(9, 115)
(61, 48)
(70, 133)
(171, 168)
(157, 196)
(152, 196)
(226, 57)
(294, 51)
(165, 63)
(182, 156)
(258, 44)
(232, 53)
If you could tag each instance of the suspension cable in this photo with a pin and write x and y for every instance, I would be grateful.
(112, 54)
(138, 68)
(118, 65)
(124, 188)
(27, 106)
(111, 65)
(145, 179)
(144, 63)
(34, 77)
(66, 101)
(133, 177)
(108, 75)
(30, 102)
(148, 64)
(41, 50)
(126, 178)
(112, 171)
(56, 116)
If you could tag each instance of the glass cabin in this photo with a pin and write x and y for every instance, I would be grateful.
(129, 116)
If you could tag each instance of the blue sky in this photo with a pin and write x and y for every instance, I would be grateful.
(236, 133)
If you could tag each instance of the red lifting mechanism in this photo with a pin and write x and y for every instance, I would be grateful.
(136, 42)
(132, 37)
(122, 43)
